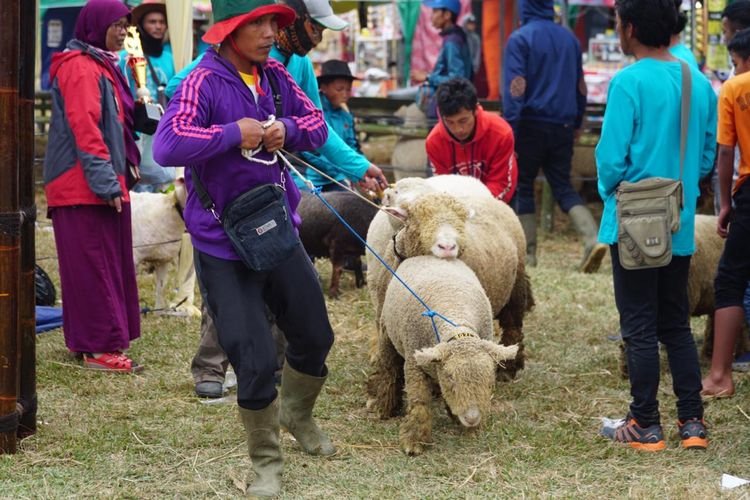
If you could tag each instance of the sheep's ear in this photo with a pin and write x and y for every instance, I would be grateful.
(500, 352)
(428, 355)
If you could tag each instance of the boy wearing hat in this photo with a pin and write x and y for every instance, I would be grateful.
(335, 83)
(224, 105)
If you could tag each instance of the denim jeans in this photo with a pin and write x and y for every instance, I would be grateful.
(653, 307)
(550, 147)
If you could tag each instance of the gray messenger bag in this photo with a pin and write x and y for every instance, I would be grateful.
(648, 211)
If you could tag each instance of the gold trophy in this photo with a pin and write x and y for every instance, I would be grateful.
(147, 112)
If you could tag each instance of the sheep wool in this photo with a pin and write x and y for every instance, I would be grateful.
(157, 233)
(463, 364)
(491, 243)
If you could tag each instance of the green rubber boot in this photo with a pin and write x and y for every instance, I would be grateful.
(298, 395)
(262, 427)
(528, 222)
(593, 251)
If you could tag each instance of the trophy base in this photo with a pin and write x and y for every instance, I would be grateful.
(147, 116)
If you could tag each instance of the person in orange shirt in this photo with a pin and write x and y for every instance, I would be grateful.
(734, 222)
(470, 141)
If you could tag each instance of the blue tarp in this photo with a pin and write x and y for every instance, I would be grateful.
(48, 318)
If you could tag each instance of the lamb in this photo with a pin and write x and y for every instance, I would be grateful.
(491, 242)
(700, 289)
(461, 367)
(157, 234)
(323, 235)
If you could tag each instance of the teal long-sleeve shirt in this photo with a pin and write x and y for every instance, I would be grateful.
(341, 122)
(336, 158)
(641, 138)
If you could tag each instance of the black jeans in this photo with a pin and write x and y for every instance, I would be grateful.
(653, 307)
(550, 147)
(734, 267)
(237, 297)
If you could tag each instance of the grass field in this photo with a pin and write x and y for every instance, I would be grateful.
(147, 436)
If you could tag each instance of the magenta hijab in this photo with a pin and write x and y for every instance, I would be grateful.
(95, 19)
(91, 28)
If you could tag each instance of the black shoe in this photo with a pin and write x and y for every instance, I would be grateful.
(693, 434)
(209, 389)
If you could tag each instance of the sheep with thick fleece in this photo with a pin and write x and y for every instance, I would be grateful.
(324, 236)
(383, 227)
(157, 234)
(462, 365)
(482, 232)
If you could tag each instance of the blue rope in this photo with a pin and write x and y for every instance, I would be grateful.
(429, 312)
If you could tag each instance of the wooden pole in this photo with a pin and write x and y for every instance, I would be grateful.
(27, 308)
(10, 221)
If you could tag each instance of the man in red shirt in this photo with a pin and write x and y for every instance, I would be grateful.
(470, 141)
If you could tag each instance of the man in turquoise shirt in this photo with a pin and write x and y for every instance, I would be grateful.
(641, 139)
(151, 20)
(291, 48)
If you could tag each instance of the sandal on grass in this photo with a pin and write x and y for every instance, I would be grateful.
(116, 361)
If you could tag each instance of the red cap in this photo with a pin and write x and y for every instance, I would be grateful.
(285, 16)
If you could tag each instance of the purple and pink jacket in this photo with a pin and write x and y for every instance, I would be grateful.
(199, 130)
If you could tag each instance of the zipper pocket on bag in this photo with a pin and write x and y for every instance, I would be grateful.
(644, 211)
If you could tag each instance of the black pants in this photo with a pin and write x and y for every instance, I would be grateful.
(237, 297)
(550, 147)
(734, 267)
(653, 307)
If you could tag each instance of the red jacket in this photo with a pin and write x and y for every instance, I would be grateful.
(85, 162)
(489, 155)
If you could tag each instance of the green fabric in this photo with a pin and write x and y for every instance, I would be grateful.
(227, 9)
(409, 15)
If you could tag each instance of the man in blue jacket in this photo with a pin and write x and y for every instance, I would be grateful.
(454, 59)
(544, 99)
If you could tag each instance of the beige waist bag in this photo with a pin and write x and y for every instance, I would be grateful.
(648, 211)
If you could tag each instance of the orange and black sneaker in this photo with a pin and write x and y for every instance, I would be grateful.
(627, 431)
(693, 433)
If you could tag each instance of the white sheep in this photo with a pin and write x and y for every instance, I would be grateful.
(383, 227)
(490, 241)
(158, 230)
(410, 360)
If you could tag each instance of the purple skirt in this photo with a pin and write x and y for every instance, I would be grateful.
(99, 291)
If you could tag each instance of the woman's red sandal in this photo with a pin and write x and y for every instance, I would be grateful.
(111, 362)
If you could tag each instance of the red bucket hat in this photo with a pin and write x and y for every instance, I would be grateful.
(231, 14)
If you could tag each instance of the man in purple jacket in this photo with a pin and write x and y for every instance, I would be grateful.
(219, 109)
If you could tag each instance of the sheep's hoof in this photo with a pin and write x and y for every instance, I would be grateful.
(334, 293)
(412, 448)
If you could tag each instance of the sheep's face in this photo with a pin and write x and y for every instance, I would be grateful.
(466, 374)
(434, 224)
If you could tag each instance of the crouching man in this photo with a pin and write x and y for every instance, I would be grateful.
(470, 141)
(219, 125)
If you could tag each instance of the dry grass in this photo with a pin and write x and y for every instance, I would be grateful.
(147, 436)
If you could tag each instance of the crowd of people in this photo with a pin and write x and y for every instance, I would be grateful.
(251, 92)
